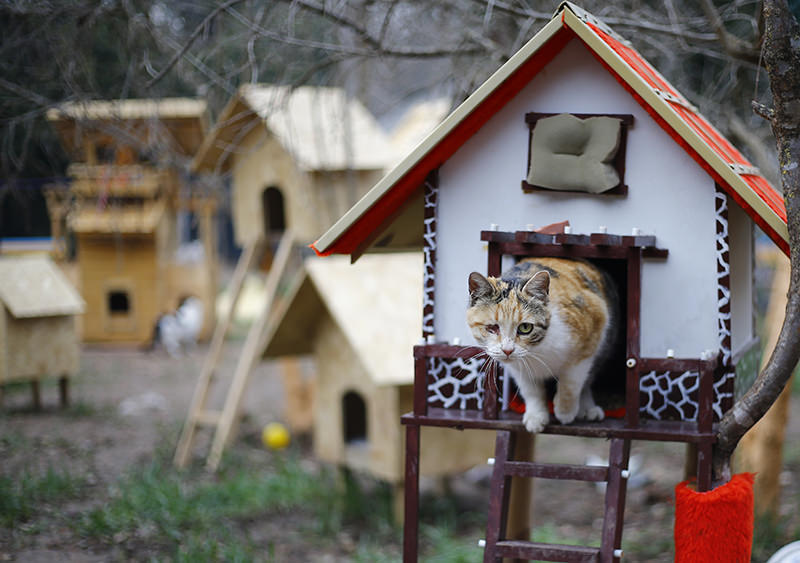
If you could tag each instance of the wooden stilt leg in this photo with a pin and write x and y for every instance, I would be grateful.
(37, 395)
(499, 491)
(63, 391)
(615, 498)
(411, 524)
(519, 525)
(704, 466)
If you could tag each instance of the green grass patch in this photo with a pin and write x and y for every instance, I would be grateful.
(202, 521)
(22, 495)
(770, 533)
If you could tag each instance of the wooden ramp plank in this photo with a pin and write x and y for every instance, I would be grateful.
(251, 254)
(253, 346)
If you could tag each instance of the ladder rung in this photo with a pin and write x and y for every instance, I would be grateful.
(567, 472)
(546, 551)
(208, 418)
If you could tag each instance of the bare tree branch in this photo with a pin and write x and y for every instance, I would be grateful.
(191, 39)
(732, 44)
(782, 60)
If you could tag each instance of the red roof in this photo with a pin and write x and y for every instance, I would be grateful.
(729, 168)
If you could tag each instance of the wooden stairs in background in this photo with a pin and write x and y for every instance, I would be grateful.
(224, 420)
(497, 546)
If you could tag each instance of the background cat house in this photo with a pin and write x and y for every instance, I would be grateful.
(144, 238)
(673, 221)
(38, 335)
(297, 158)
(358, 324)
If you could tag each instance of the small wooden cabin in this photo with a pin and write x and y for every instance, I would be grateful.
(38, 336)
(358, 324)
(133, 214)
(645, 187)
(297, 158)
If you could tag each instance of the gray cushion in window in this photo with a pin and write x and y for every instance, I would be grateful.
(568, 153)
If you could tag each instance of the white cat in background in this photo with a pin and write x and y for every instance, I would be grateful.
(178, 331)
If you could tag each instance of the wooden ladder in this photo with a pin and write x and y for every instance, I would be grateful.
(614, 475)
(224, 420)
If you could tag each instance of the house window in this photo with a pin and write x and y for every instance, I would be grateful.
(119, 302)
(577, 153)
(354, 417)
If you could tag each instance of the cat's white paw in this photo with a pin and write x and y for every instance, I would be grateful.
(592, 413)
(535, 420)
(565, 416)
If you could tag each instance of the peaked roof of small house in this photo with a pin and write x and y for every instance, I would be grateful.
(372, 216)
(375, 303)
(416, 124)
(321, 127)
(186, 119)
(32, 286)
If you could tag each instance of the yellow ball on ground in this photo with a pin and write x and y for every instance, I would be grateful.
(275, 436)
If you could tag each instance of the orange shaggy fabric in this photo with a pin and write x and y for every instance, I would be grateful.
(716, 525)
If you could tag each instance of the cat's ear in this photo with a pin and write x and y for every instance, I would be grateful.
(479, 287)
(538, 286)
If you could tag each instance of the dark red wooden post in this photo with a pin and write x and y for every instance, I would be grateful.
(632, 335)
(490, 392)
(411, 487)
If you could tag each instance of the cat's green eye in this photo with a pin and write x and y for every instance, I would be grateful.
(524, 328)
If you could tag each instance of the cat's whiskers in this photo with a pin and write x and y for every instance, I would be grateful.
(536, 357)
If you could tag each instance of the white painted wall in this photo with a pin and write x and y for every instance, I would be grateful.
(669, 196)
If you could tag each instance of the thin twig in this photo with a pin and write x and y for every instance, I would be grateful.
(194, 35)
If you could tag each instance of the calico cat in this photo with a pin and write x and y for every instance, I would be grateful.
(547, 318)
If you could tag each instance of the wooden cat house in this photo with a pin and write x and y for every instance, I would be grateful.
(297, 158)
(358, 323)
(645, 187)
(38, 333)
(132, 213)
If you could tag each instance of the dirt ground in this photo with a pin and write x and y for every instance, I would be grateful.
(126, 401)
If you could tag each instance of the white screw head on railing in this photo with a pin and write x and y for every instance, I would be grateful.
(631, 363)
(625, 473)
(618, 553)
(481, 543)
(490, 461)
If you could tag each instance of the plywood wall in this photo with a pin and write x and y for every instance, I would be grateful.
(125, 263)
(37, 347)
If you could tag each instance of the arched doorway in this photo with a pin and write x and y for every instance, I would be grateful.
(274, 212)
(354, 418)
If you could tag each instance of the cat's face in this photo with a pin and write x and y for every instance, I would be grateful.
(508, 320)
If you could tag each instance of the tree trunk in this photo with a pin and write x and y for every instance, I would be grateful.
(782, 60)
